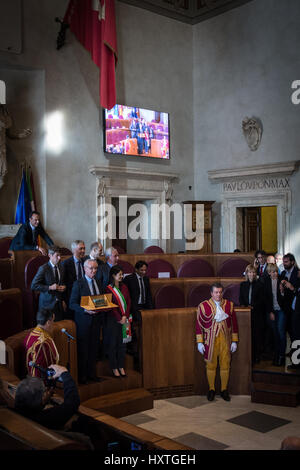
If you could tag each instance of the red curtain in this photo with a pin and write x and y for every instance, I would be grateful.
(94, 24)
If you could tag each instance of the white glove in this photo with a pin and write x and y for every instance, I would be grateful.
(233, 347)
(201, 348)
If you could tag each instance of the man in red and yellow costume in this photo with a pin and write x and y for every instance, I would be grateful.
(39, 345)
(217, 337)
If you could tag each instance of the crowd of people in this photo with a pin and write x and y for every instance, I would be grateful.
(61, 286)
(271, 289)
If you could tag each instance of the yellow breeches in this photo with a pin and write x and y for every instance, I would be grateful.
(221, 352)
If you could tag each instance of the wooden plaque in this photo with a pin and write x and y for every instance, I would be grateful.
(88, 304)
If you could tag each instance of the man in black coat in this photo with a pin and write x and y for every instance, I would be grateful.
(274, 301)
(88, 322)
(49, 282)
(139, 288)
(111, 259)
(96, 250)
(73, 269)
(27, 235)
(290, 275)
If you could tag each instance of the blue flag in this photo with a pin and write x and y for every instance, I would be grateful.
(23, 206)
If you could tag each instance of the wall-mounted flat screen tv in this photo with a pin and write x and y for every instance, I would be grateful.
(134, 131)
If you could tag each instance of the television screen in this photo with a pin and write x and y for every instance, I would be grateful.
(136, 131)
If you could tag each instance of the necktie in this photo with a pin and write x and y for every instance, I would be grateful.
(250, 294)
(56, 275)
(92, 287)
(79, 271)
(33, 237)
(142, 291)
(261, 270)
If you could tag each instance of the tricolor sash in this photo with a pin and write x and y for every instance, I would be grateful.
(126, 327)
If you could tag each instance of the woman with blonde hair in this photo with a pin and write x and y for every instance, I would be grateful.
(251, 295)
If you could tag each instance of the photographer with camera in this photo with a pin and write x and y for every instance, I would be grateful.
(33, 398)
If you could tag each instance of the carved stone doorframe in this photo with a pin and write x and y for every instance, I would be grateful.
(229, 210)
(114, 182)
(256, 186)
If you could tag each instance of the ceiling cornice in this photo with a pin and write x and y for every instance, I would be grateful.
(187, 11)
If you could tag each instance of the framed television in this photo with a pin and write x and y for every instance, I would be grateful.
(132, 131)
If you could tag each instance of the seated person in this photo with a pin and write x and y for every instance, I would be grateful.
(27, 235)
(32, 397)
(49, 282)
(39, 344)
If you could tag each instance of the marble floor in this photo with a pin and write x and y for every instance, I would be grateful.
(219, 425)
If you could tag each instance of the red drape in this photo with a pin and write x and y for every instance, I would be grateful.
(93, 23)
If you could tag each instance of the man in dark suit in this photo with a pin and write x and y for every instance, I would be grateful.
(274, 300)
(73, 268)
(88, 322)
(49, 282)
(261, 264)
(96, 250)
(139, 288)
(289, 280)
(111, 259)
(27, 235)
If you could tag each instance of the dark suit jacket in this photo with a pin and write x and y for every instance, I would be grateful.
(293, 277)
(23, 239)
(257, 297)
(80, 289)
(269, 296)
(70, 275)
(103, 275)
(41, 282)
(288, 294)
(132, 283)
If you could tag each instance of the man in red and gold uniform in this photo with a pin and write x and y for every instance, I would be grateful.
(217, 337)
(39, 345)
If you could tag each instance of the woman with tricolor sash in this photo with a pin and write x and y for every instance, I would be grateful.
(116, 319)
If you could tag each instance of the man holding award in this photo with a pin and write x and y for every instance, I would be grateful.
(88, 321)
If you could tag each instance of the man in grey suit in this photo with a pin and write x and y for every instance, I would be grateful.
(50, 283)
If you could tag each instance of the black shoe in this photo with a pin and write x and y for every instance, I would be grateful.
(122, 375)
(211, 395)
(116, 376)
(225, 395)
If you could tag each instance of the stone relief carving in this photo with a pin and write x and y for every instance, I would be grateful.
(168, 191)
(101, 187)
(252, 130)
(8, 130)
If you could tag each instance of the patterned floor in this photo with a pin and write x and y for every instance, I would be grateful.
(235, 425)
